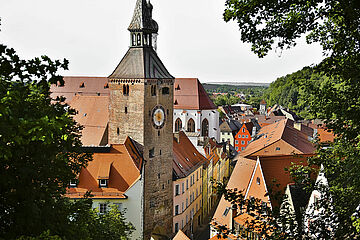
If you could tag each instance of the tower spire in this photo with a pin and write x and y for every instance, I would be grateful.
(143, 29)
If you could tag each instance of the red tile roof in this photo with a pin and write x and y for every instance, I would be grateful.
(190, 94)
(119, 166)
(293, 140)
(83, 86)
(93, 114)
(240, 179)
(181, 236)
(186, 157)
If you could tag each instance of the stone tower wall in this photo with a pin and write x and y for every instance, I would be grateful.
(158, 191)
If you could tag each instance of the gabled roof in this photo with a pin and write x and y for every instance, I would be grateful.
(141, 63)
(122, 166)
(81, 86)
(240, 179)
(181, 236)
(230, 126)
(186, 157)
(190, 94)
(295, 140)
(93, 114)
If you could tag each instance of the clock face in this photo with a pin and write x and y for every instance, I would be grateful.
(158, 117)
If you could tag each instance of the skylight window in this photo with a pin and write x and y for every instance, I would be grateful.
(180, 165)
(187, 159)
(226, 211)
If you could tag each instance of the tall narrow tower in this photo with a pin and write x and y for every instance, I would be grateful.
(141, 107)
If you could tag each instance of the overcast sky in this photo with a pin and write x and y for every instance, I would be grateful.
(193, 39)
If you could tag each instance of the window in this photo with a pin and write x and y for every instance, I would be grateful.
(103, 183)
(178, 125)
(242, 142)
(187, 204)
(223, 140)
(183, 190)
(205, 128)
(126, 90)
(138, 39)
(118, 131)
(165, 91)
(242, 148)
(258, 181)
(152, 153)
(126, 110)
(176, 227)
(182, 206)
(197, 176)
(73, 183)
(243, 130)
(245, 136)
(176, 210)
(153, 90)
(177, 189)
(236, 142)
(228, 133)
(187, 219)
(236, 148)
(187, 184)
(226, 211)
(191, 125)
(102, 208)
(277, 149)
(133, 38)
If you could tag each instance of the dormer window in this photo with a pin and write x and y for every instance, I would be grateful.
(82, 85)
(73, 183)
(103, 183)
(133, 39)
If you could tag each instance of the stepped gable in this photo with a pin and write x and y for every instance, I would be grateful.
(190, 94)
(80, 86)
(186, 157)
(121, 166)
(141, 63)
(93, 115)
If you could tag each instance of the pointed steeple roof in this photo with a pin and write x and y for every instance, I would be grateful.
(142, 19)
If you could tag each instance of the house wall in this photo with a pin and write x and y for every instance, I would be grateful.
(227, 136)
(257, 189)
(132, 207)
(198, 116)
(188, 216)
(242, 139)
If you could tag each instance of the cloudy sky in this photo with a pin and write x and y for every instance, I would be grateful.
(193, 39)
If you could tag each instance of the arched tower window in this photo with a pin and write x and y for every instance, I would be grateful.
(139, 39)
(205, 128)
(133, 39)
(153, 90)
(126, 90)
(178, 125)
(191, 125)
(165, 91)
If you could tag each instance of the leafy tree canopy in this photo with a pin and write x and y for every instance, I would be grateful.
(40, 153)
(335, 25)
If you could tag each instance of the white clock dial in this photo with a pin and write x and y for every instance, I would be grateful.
(158, 117)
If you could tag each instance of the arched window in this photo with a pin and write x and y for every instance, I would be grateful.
(126, 90)
(205, 128)
(153, 90)
(133, 39)
(178, 125)
(138, 39)
(191, 125)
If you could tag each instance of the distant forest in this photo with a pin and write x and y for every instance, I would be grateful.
(286, 91)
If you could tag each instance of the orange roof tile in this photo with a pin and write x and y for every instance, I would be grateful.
(186, 157)
(93, 114)
(294, 140)
(83, 86)
(190, 94)
(240, 179)
(118, 165)
(181, 236)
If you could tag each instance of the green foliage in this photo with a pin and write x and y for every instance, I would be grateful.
(40, 153)
(332, 95)
(226, 100)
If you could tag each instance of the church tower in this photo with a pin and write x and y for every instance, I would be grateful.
(141, 107)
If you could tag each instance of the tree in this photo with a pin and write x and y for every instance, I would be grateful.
(40, 153)
(335, 25)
